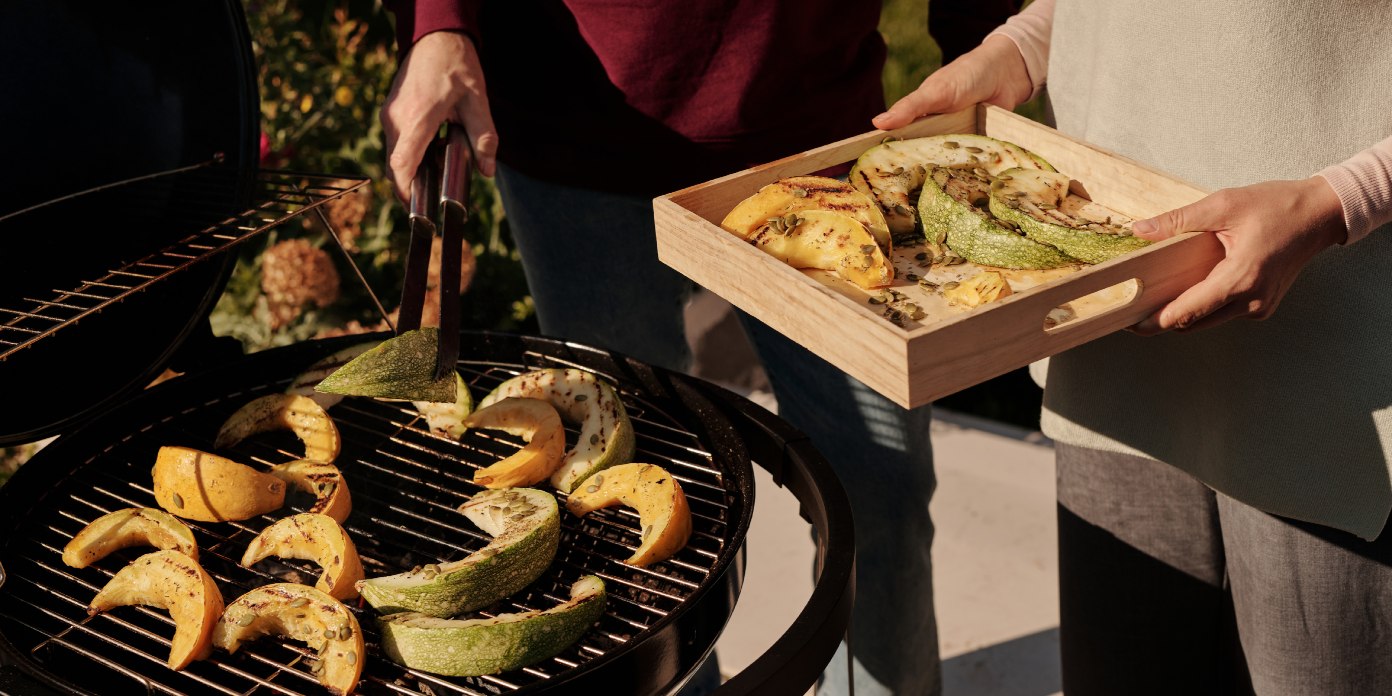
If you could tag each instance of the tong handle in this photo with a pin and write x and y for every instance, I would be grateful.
(424, 199)
(458, 168)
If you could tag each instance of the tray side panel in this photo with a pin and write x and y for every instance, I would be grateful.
(1011, 334)
(829, 325)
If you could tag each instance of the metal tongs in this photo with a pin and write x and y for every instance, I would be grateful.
(440, 189)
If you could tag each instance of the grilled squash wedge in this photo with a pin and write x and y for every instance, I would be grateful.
(581, 398)
(534, 420)
(169, 580)
(475, 647)
(129, 527)
(448, 418)
(300, 414)
(1039, 204)
(984, 287)
(954, 204)
(304, 383)
(648, 488)
(889, 173)
(526, 529)
(398, 368)
(205, 487)
(312, 537)
(827, 241)
(802, 193)
(300, 613)
(323, 481)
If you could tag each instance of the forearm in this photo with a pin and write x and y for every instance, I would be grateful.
(1031, 30)
(1363, 183)
(416, 18)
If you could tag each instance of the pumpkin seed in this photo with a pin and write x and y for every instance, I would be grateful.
(897, 171)
(646, 531)
(902, 209)
(876, 300)
(974, 149)
(887, 139)
(351, 657)
(330, 633)
(867, 249)
(581, 397)
(246, 619)
(912, 276)
(791, 220)
(298, 602)
(594, 439)
(949, 285)
(799, 193)
(591, 489)
(921, 255)
(345, 633)
(923, 282)
(599, 479)
(953, 260)
(951, 145)
(178, 501)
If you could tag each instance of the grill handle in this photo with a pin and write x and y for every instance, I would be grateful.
(795, 661)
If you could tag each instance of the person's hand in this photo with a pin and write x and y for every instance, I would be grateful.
(1269, 231)
(993, 72)
(440, 80)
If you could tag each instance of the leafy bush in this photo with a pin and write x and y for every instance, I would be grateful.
(325, 67)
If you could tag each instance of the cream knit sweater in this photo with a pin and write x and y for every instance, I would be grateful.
(1292, 415)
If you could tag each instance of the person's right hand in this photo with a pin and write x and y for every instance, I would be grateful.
(993, 72)
(439, 80)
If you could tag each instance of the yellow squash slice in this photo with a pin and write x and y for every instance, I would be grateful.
(828, 241)
(649, 489)
(129, 527)
(323, 481)
(301, 613)
(534, 420)
(299, 414)
(199, 486)
(312, 537)
(980, 289)
(169, 580)
(801, 193)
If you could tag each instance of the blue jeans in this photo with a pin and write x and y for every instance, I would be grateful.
(591, 263)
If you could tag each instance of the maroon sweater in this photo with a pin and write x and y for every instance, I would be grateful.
(648, 96)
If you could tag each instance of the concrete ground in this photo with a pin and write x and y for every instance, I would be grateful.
(994, 557)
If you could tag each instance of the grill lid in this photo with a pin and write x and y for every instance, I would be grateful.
(97, 93)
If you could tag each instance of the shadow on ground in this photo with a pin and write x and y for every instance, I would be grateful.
(1025, 666)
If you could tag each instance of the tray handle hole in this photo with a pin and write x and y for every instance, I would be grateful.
(1092, 306)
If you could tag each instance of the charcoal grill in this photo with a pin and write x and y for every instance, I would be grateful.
(88, 321)
(406, 482)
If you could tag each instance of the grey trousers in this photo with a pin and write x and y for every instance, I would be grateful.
(1166, 587)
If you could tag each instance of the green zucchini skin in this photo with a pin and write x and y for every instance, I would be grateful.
(475, 647)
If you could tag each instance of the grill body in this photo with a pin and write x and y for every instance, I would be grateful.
(659, 622)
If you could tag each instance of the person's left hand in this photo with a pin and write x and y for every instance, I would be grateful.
(1269, 231)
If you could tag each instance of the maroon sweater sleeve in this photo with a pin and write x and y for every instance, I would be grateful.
(416, 18)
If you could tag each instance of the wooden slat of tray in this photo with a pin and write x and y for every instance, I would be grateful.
(951, 348)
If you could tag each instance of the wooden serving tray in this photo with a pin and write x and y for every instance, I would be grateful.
(950, 348)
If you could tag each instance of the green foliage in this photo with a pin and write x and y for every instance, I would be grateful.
(325, 66)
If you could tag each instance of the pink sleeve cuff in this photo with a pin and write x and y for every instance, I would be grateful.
(1363, 183)
(416, 18)
(1031, 30)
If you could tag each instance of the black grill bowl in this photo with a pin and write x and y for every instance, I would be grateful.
(659, 622)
